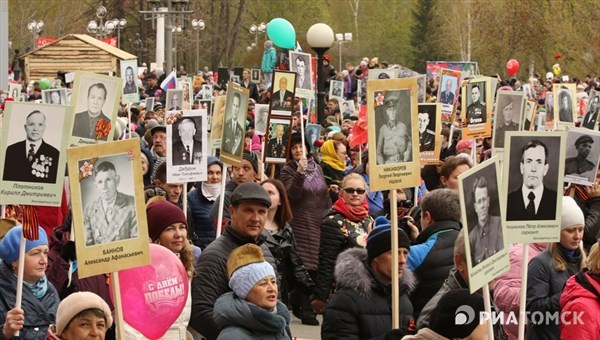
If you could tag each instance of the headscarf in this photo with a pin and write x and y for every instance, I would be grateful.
(329, 156)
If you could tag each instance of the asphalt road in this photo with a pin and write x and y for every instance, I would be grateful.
(302, 332)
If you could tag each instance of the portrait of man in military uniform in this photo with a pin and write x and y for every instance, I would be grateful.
(477, 110)
(393, 140)
(580, 165)
(508, 116)
(426, 136)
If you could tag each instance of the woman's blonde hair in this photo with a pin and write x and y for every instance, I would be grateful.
(560, 264)
(352, 176)
(593, 261)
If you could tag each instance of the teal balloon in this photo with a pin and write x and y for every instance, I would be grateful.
(45, 84)
(282, 33)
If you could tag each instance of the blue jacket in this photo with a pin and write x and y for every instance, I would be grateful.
(431, 259)
(199, 216)
(269, 60)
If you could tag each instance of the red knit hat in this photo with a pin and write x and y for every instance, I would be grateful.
(161, 214)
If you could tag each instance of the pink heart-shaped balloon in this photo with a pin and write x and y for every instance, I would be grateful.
(154, 295)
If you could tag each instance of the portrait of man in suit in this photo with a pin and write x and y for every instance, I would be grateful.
(476, 111)
(187, 150)
(129, 86)
(175, 100)
(565, 113)
(426, 136)
(86, 121)
(303, 71)
(278, 144)
(111, 216)
(532, 200)
(233, 133)
(32, 160)
(282, 99)
(447, 96)
(591, 116)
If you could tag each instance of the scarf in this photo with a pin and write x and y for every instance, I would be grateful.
(351, 212)
(211, 191)
(572, 256)
(38, 288)
(329, 156)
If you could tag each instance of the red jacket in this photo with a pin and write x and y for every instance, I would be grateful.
(576, 298)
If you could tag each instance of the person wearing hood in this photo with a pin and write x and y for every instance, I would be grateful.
(39, 299)
(201, 200)
(549, 271)
(251, 310)
(361, 306)
(147, 166)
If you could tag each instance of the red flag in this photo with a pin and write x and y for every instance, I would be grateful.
(359, 131)
(30, 223)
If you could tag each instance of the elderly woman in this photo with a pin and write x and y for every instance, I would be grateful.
(309, 200)
(81, 315)
(344, 226)
(251, 310)
(39, 299)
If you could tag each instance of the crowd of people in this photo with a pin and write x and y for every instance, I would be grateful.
(313, 239)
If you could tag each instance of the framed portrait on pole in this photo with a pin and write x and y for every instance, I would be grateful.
(476, 108)
(234, 124)
(393, 133)
(277, 140)
(430, 127)
(565, 103)
(283, 93)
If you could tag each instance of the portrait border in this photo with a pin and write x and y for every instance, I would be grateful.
(274, 160)
(233, 88)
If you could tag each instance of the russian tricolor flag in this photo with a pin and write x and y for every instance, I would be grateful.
(170, 82)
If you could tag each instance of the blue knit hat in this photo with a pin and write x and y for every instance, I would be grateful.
(246, 266)
(9, 246)
(380, 238)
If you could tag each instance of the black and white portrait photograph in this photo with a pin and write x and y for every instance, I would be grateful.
(336, 89)
(96, 101)
(313, 133)
(300, 63)
(393, 123)
(109, 215)
(55, 96)
(130, 86)
(565, 103)
(255, 75)
(427, 127)
(549, 109)
(261, 115)
(379, 73)
(422, 84)
(36, 139)
(447, 89)
(235, 79)
(187, 92)
(277, 137)
(483, 214)
(535, 174)
(581, 159)
(591, 113)
(149, 103)
(234, 124)
(475, 102)
(186, 147)
(174, 100)
(207, 91)
(206, 105)
(108, 200)
(282, 96)
(348, 109)
(529, 115)
(508, 116)
(14, 91)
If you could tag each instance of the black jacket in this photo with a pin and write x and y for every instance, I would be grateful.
(431, 259)
(361, 306)
(292, 273)
(211, 280)
(337, 234)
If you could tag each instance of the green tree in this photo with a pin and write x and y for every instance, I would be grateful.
(424, 49)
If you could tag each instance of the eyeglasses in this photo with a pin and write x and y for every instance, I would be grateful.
(353, 190)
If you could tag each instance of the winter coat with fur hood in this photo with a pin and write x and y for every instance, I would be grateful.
(361, 306)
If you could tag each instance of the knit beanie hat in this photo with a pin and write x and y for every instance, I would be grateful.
(9, 246)
(379, 240)
(77, 303)
(246, 266)
(457, 314)
(571, 213)
(213, 160)
(251, 157)
(161, 214)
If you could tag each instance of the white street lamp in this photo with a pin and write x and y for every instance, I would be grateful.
(320, 38)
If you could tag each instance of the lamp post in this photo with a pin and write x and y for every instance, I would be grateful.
(320, 37)
(119, 25)
(256, 30)
(35, 27)
(102, 29)
(198, 25)
(176, 30)
(341, 38)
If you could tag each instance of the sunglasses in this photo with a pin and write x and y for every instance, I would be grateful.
(353, 190)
